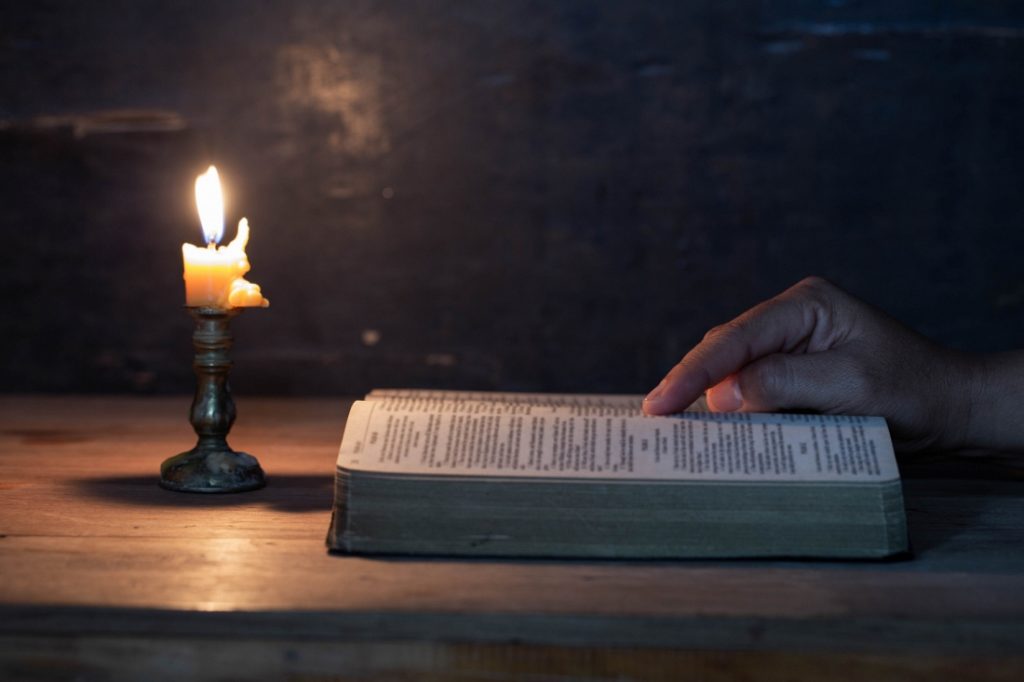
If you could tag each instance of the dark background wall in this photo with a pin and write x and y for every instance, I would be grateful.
(520, 195)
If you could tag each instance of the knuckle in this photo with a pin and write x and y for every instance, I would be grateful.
(815, 283)
(727, 329)
(818, 300)
(816, 291)
(714, 332)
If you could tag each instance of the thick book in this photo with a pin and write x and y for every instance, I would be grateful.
(566, 475)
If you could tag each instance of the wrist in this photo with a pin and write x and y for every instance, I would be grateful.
(957, 378)
(992, 402)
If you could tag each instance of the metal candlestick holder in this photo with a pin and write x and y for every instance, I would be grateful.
(212, 466)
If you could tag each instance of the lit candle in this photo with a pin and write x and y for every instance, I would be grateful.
(214, 275)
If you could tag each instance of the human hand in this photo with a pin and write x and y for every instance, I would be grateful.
(816, 347)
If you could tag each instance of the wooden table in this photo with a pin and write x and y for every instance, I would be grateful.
(103, 575)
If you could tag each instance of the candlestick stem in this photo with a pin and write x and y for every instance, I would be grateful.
(212, 466)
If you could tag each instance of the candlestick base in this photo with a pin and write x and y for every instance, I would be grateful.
(212, 471)
(212, 466)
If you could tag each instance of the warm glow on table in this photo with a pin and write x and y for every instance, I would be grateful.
(214, 275)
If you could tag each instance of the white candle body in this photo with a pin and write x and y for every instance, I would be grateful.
(214, 275)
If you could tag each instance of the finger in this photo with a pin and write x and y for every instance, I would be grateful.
(780, 324)
(827, 382)
(725, 396)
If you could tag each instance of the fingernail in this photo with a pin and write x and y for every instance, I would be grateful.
(726, 396)
(654, 395)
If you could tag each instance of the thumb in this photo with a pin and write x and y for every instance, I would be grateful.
(826, 382)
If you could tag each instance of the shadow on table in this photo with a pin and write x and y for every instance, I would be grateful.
(283, 493)
(958, 503)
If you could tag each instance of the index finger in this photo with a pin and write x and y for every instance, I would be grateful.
(778, 325)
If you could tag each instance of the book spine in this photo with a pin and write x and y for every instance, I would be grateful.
(338, 536)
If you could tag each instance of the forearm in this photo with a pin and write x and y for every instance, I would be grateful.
(995, 402)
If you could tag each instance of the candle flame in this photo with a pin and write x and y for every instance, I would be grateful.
(211, 205)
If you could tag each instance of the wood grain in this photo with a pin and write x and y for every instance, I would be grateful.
(92, 550)
(198, 659)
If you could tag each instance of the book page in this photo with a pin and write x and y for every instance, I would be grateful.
(425, 398)
(490, 438)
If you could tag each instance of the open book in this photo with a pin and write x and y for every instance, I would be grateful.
(559, 475)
